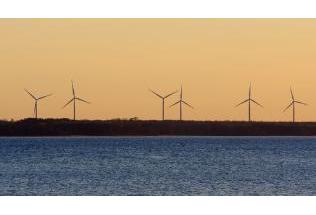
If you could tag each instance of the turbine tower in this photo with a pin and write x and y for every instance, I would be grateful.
(293, 104)
(180, 102)
(163, 101)
(36, 99)
(249, 100)
(74, 99)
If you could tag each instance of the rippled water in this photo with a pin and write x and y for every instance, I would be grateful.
(158, 166)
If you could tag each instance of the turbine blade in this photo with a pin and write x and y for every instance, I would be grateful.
(250, 90)
(156, 94)
(292, 94)
(44, 96)
(30, 94)
(256, 103)
(242, 102)
(171, 94)
(181, 93)
(82, 100)
(288, 106)
(301, 102)
(73, 89)
(174, 104)
(68, 103)
(188, 104)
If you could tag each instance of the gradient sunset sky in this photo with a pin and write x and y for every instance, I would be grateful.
(113, 62)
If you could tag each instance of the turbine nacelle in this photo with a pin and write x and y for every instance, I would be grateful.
(292, 104)
(180, 102)
(36, 99)
(249, 100)
(163, 97)
(74, 99)
(163, 100)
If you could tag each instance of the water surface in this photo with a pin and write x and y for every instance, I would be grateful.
(158, 166)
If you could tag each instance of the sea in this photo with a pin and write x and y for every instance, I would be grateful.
(157, 166)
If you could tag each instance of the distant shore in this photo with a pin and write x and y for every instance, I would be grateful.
(65, 127)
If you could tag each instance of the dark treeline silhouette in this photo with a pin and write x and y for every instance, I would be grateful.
(66, 127)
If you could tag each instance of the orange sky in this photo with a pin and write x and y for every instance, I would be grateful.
(114, 61)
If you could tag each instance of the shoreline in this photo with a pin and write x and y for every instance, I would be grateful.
(143, 128)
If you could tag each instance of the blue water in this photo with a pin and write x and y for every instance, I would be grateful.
(158, 166)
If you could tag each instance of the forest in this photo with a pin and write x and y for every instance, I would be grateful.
(66, 127)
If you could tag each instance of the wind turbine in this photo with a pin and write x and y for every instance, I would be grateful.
(249, 100)
(293, 104)
(180, 103)
(74, 99)
(36, 99)
(163, 101)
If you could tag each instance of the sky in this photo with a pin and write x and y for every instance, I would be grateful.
(113, 63)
